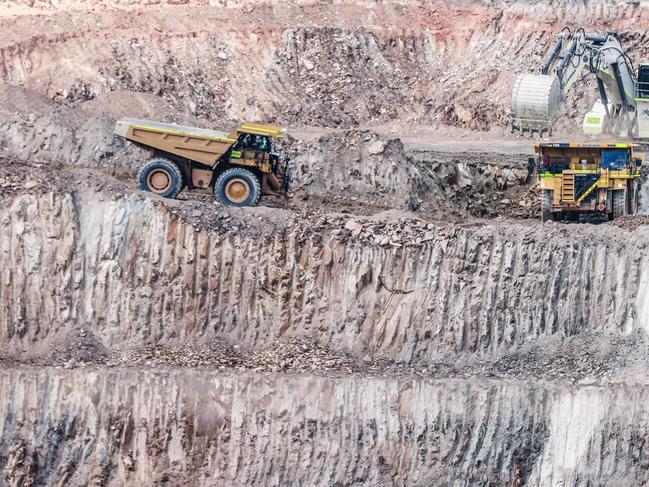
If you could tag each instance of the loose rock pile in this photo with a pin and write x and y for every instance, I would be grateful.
(20, 179)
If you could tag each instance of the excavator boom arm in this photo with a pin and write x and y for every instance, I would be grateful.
(537, 99)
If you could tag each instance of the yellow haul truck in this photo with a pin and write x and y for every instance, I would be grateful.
(595, 179)
(240, 165)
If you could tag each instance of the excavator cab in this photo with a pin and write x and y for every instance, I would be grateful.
(643, 81)
(642, 101)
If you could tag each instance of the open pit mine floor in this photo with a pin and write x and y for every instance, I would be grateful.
(147, 341)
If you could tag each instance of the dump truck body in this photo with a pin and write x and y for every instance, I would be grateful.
(200, 145)
(600, 179)
(202, 155)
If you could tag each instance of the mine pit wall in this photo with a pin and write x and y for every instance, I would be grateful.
(118, 427)
(128, 269)
(310, 63)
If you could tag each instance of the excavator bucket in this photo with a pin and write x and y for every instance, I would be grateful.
(536, 102)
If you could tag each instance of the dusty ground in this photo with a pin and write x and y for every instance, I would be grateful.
(403, 319)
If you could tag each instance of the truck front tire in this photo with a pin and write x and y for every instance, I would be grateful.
(237, 187)
(160, 176)
(620, 203)
(546, 205)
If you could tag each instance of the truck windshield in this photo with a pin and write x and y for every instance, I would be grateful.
(263, 144)
(614, 159)
(255, 142)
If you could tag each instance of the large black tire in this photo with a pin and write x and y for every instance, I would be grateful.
(620, 203)
(238, 187)
(283, 175)
(634, 198)
(546, 205)
(160, 176)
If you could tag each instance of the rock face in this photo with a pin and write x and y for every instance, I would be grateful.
(306, 63)
(126, 427)
(135, 270)
(88, 264)
(430, 353)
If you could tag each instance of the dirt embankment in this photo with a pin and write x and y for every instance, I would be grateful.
(301, 63)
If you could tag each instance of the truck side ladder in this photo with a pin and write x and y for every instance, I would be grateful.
(568, 187)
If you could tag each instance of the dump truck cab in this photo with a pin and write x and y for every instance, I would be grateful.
(239, 165)
(597, 179)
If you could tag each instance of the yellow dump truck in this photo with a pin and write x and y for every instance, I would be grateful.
(595, 179)
(240, 165)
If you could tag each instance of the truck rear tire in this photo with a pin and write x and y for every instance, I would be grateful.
(160, 176)
(620, 203)
(238, 187)
(546, 205)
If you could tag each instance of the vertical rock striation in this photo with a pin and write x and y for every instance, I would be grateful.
(118, 427)
(133, 270)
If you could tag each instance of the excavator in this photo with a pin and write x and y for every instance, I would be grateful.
(587, 179)
(623, 106)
